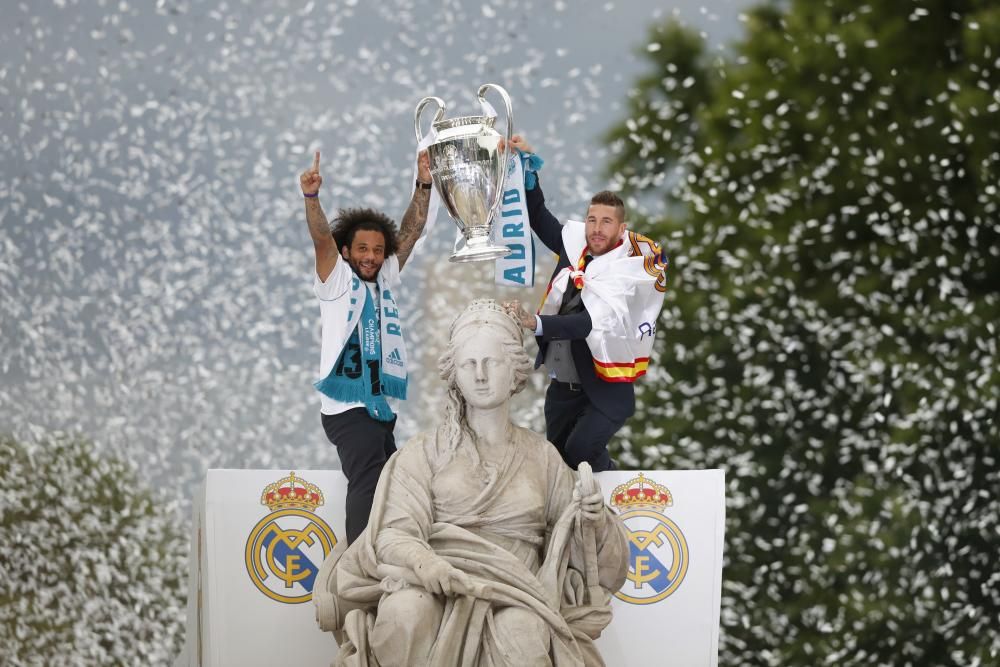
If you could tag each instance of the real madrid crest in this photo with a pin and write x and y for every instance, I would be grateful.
(658, 552)
(286, 548)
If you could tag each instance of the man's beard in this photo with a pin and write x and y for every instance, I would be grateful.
(356, 266)
(605, 245)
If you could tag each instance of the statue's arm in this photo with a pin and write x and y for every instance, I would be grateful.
(401, 539)
(401, 548)
(610, 534)
(403, 535)
(407, 511)
(612, 551)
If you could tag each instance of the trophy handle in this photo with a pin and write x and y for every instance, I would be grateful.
(510, 133)
(420, 107)
(506, 103)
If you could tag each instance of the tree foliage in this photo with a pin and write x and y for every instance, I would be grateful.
(830, 337)
(92, 568)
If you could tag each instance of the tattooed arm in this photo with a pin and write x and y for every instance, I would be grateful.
(416, 213)
(319, 228)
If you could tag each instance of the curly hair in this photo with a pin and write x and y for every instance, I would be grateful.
(350, 220)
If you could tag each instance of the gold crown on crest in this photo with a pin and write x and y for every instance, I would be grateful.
(291, 493)
(641, 493)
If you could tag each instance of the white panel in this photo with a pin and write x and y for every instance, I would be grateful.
(241, 625)
(246, 626)
(682, 627)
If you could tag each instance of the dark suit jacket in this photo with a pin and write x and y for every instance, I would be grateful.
(615, 399)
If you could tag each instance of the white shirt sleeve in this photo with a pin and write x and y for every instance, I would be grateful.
(538, 325)
(390, 271)
(337, 283)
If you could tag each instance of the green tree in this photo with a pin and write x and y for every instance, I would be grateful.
(830, 335)
(93, 568)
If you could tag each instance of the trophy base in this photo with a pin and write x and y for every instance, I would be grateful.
(479, 253)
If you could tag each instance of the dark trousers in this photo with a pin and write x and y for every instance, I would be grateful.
(364, 445)
(579, 431)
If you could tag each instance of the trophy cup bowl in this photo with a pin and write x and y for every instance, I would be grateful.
(469, 170)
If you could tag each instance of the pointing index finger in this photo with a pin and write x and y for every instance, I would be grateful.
(316, 162)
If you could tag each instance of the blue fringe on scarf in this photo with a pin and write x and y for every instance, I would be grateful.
(531, 163)
(358, 390)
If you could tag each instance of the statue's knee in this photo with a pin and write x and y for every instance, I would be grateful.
(517, 618)
(530, 635)
(406, 624)
(407, 613)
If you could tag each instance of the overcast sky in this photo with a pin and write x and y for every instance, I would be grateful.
(154, 261)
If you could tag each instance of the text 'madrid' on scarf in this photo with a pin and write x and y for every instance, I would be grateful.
(623, 293)
(372, 364)
(511, 229)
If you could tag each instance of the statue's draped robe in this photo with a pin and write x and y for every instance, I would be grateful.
(514, 529)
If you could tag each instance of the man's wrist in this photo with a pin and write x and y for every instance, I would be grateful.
(311, 195)
(423, 186)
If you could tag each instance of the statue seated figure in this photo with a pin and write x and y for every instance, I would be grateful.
(483, 547)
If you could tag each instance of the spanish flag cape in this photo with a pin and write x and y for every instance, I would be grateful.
(623, 292)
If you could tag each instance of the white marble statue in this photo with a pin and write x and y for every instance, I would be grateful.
(483, 547)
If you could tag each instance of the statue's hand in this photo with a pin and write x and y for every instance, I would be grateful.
(591, 505)
(438, 576)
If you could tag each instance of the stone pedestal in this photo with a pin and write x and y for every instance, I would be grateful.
(253, 566)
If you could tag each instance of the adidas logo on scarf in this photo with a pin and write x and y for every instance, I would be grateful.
(365, 373)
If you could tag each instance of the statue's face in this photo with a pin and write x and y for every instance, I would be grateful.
(483, 372)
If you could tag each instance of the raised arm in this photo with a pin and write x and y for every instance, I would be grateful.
(415, 216)
(545, 225)
(319, 229)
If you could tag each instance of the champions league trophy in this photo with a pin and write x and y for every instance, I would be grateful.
(469, 170)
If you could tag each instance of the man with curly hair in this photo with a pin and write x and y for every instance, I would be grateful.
(363, 356)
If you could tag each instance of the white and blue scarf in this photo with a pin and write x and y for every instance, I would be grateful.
(512, 229)
(372, 364)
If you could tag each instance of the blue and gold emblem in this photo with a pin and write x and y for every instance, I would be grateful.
(286, 548)
(658, 552)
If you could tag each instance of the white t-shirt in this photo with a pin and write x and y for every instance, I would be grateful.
(334, 300)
